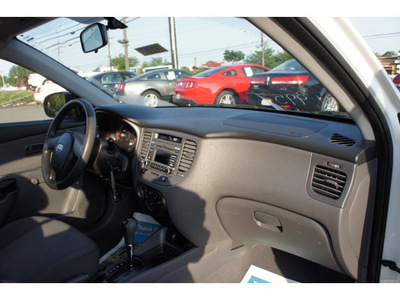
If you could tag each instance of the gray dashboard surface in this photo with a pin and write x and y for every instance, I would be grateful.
(290, 130)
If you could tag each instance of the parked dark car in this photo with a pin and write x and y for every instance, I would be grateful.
(107, 80)
(153, 86)
(292, 87)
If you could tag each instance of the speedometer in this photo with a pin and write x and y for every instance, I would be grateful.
(125, 138)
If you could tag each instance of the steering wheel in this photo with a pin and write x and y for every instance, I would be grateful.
(65, 155)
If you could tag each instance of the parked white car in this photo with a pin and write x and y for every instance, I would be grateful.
(46, 89)
(35, 80)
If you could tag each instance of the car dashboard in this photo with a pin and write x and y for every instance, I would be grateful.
(298, 184)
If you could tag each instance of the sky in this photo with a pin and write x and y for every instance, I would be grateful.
(381, 34)
(200, 39)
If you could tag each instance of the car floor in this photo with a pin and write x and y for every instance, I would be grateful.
(278, 262)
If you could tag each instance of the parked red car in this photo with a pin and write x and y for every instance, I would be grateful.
(221, 85)
(396, 81)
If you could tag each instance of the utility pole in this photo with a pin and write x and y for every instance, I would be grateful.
(109, 50)
(125, 43)
(172, 35)
(262, 50)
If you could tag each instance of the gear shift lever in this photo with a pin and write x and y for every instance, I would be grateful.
(129, 227)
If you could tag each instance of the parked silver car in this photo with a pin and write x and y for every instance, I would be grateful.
(153, 86)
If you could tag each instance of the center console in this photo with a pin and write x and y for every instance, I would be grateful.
(165, 158)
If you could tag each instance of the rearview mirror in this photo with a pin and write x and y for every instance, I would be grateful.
(94, 37)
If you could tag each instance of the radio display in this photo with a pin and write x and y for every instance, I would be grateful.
(170, 138)
(162, 157)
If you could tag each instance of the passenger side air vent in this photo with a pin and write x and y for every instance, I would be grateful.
(145, 145)
(342, 140)
(328, 182)
(188, 153)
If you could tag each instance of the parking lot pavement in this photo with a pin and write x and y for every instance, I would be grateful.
(29, 112)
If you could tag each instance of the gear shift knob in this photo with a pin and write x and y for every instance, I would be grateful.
(129, 227)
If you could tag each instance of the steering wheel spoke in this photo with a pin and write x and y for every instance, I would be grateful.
(79, 142)
(52, 142)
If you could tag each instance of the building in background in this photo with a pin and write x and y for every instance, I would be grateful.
(391, 64)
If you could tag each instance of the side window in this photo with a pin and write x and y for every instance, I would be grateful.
(111, 78)
(258, 70)
(230, 73)
(170, 75)
(106, 79)
(22, 93)
(128, 76)
(117, 78)
(154, 77)
(250, 71)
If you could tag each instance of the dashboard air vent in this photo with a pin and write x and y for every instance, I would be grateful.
(145, 145)
(328, 182)
(342, 140)
(188, 152)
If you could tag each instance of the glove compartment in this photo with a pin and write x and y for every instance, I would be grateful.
(255, 222)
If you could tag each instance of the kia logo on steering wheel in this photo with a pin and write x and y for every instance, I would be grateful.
(59, 148)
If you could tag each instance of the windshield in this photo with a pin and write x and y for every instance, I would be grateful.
(147, 67)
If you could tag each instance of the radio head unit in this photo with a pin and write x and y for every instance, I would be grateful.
(167, 157)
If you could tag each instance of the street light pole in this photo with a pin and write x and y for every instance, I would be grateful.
(172, 34)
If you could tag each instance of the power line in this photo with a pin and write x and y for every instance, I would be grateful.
(213, 50)
(62, 30)
(132, 20)
(382, 35)
(61, 43)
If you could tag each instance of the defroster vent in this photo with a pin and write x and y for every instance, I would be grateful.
(342, 140)
(145, 145)
(328, 182)
(188, 153)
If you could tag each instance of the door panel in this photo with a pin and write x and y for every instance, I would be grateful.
(20, 159)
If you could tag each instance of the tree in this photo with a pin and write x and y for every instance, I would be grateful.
(186, 69)
(389, 53)
(119, 62)
(16, 73)
(97, 69)
(233, 56)
(156, 61)
(272, 58)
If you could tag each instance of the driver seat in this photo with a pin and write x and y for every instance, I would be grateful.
(39, 249)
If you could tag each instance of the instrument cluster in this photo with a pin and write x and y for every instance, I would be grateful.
(121, 133)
